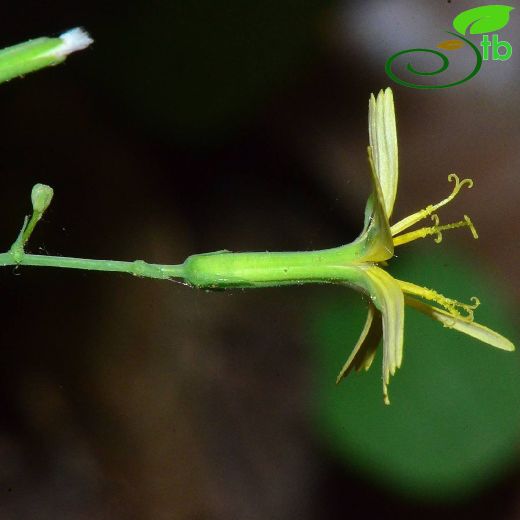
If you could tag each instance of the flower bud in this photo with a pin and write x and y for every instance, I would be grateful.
(41, 197)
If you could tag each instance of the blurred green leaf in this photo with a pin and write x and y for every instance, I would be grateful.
(454, 422)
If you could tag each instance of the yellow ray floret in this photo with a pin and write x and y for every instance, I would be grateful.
(374, 248)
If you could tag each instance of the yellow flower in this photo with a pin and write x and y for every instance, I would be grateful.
(375, 246)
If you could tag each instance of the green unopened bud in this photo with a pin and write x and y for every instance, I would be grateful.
(41, 197)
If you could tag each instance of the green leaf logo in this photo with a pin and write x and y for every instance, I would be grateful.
(484, 19)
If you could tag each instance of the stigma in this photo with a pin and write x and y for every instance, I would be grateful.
(436, 229)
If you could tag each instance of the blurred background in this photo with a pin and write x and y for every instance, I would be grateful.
(191, 127)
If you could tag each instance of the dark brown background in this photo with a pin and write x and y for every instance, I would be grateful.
(191, 127)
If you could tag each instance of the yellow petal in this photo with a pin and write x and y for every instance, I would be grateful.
(375, 243)
(383, 142)
(389, 299)
(365, 349)
(475, 330)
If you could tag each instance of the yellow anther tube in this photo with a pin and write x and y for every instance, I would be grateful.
(436, 229)
(429, 210)
(453, 307)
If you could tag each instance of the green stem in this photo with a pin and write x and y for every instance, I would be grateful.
(136, 268)
(220, 270)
